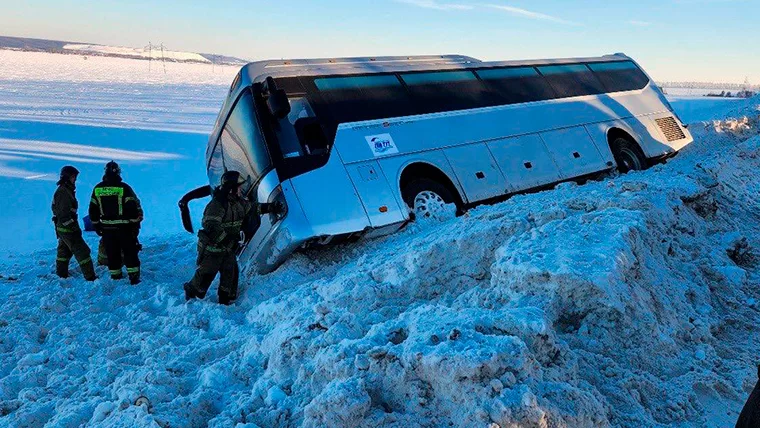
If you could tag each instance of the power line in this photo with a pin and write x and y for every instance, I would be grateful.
(150, 48)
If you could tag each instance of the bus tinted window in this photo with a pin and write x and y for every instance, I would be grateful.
(351, 99)
(435, 78)
(517, 85)
(242, 145)
(291, 85)
(619, 76)
(572, 80)
(448, 90)
(337, 83)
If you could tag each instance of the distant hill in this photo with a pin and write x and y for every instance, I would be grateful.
(77, 48)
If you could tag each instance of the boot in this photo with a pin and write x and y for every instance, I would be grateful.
(88, 270)
(117, 274)
(189, 292)
(134, 278)
(62, 269)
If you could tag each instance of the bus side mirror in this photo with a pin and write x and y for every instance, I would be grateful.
(278, 104)
(277, 99)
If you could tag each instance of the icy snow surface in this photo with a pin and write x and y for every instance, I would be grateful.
(630, 301)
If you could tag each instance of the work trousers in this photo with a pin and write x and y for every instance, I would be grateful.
(210, 262)
(72, 244)
(118, 241)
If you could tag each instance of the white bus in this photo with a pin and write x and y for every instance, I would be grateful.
(359, 146)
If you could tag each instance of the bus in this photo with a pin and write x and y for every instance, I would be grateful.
(358, 147)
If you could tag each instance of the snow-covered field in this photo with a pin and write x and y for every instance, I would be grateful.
(632, 301)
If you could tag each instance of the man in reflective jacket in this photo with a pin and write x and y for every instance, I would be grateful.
(70, 242)
(224, 220)
(116, 214)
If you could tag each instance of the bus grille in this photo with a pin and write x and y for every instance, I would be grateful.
(670, 128)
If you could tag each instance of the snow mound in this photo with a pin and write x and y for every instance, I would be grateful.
(630, 301)
(153, 53)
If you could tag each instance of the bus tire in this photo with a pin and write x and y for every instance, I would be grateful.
(628, 155)
(424, 196)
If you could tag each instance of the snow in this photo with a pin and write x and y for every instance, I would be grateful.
(31, 67)
(147, 52)
(629, 301)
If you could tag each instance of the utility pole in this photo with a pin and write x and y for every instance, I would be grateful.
(150, 54)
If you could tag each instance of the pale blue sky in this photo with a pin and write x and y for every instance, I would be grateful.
(673, 39)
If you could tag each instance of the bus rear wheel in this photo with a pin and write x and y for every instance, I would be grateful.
(429, 199)
(628, 155)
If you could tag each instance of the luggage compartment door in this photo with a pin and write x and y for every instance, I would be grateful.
(525, 162)
(573, 151)
(477, 172)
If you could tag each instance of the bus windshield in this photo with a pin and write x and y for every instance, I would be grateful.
(241, 146)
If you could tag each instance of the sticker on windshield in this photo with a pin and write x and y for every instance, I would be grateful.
(381, 145)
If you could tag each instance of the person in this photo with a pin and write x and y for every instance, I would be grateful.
(227, 220)
(750, 415)
(116, 214)
(65, 219)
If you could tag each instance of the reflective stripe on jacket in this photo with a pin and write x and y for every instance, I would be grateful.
(114, 203)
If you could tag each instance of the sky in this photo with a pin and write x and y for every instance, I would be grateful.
(681, 40)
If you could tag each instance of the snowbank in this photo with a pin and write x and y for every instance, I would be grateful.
(631, 301)
(148, 53)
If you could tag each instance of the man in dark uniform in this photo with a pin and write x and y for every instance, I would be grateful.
(116, 215)
(224, 219)
(67, 228)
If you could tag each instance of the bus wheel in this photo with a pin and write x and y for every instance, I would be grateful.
(429, 199)
(628, 155)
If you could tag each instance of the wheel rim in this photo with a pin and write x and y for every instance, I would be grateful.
(429, 204)
(630, 161)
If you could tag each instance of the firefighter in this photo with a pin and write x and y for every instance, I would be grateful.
(70, 242)
(116, 214)
(227, 220)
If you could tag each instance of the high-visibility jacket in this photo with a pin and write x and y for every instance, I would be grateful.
(65, 208)
(114, 204)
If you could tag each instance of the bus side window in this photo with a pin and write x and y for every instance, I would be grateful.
(619, 76)
(517, 84)
(437, 91)
(572, 80)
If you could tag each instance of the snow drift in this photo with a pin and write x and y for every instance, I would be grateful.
(630, 301)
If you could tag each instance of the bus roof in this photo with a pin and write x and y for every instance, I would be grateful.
(258, 70)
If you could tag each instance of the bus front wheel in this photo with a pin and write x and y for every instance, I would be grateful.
(429, 199)
(628, 155)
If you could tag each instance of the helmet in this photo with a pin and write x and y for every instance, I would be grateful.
(232, 180)
(113, 169)
(68, 171)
